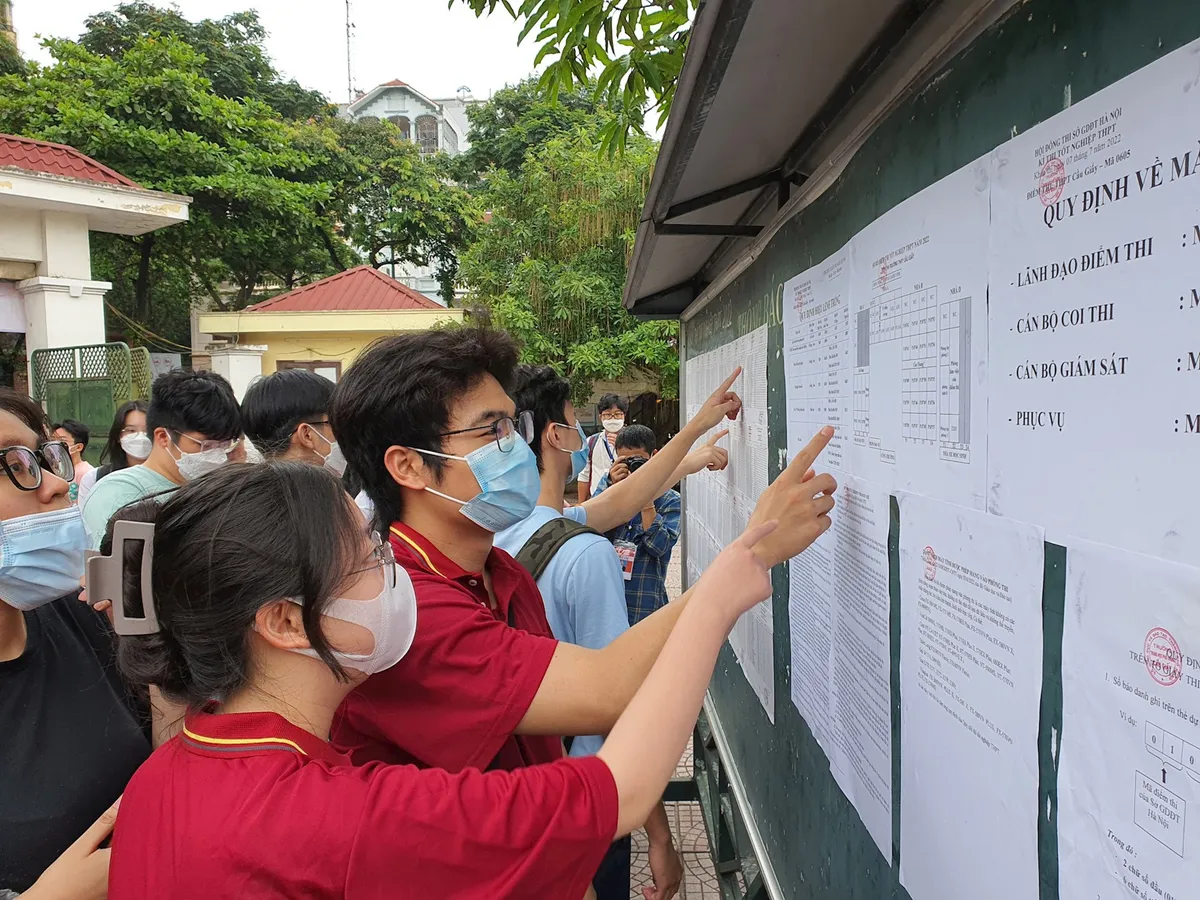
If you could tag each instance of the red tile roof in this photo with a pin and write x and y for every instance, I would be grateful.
(395, 82)
(56, 159)
(361, 288)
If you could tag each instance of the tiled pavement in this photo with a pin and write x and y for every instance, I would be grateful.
(687, 822)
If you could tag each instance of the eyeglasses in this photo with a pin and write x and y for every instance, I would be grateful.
(504, 430)
(205, 446)
(382, 557)
(24, 466)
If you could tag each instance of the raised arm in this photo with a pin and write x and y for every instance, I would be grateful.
(617, 505)
(585, 691)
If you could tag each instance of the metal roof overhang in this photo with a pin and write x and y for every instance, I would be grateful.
(773, 99)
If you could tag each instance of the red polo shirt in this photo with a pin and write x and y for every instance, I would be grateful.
(455, 700)
(248, 805)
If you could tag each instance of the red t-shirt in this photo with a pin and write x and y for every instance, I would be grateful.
(456, 698)
(249, 805)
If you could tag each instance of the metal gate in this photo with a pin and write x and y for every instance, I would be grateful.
(88, 384)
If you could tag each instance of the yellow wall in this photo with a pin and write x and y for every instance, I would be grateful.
(311, 346)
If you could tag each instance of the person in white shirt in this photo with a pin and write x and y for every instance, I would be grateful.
(601, 452)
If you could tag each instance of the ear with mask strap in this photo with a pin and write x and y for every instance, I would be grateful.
(106, 578)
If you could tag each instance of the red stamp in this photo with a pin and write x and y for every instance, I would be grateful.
(930, 564)
(1051, 181)
(1164, 662)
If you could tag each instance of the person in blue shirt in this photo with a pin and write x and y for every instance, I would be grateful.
(583, 590)
(653, 532)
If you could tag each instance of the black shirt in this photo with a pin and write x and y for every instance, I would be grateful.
(70, 737)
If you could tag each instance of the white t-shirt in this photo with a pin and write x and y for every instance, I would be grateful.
(602, 457)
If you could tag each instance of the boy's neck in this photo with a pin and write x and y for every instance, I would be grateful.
(466, 544)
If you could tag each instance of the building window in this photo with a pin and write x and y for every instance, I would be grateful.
(427, 134)
(449, 139)
(401, 122)
(331, 369)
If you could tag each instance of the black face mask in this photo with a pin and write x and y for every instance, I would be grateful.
(633, 463)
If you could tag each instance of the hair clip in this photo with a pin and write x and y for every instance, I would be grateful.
(106, 578)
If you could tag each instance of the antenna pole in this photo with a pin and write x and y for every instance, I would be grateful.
(349, 76)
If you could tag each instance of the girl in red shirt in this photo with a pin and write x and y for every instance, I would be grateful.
(264, 602)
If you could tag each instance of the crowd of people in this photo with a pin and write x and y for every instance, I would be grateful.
(392, 659)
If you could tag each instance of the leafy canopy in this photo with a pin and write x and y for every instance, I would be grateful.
(637, 46)
(550, 264)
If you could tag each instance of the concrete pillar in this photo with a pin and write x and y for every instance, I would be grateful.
(62, 312)
(65, 252)
(239, 365)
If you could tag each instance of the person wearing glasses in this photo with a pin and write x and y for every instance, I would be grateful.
(261, 633)
(194, 425)
(426, 422)
(286, 416)
(72, 733)
(127, 445)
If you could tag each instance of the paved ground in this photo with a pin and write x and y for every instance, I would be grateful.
(687, 822)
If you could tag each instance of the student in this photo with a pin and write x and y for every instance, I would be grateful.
(425, 421)
(72, 734)
(75, 435)
(644, 542)
(127, 445)
(194, 425)
(263, 633)
(286, 416)
(612, 411)
(579, 577)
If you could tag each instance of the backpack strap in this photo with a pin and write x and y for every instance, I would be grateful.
(547, 541)
(103, 470)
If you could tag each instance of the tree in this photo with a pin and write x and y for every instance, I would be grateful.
(550, 264)
(11, 61)
(638, 47)
(404, 208)
(255, 179)
(517, 119)
(234, 49)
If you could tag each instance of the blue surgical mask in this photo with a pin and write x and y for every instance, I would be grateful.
(509, 484)
(41, 557)
(579, 457)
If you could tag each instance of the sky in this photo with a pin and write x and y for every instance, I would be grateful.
(435, 49)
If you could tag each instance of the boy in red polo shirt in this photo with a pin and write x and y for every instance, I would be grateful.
(425, 421)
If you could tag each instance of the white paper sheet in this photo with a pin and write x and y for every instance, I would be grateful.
(1129, 777)
(918, 312)
(719, 504)
(816, 354)
(1095, 375)
(970, 684)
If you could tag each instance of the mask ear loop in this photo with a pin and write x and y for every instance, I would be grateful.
(106, 578)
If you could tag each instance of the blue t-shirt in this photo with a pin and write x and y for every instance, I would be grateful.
(582, 588)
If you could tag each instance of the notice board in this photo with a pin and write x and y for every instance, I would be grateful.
(996, 363)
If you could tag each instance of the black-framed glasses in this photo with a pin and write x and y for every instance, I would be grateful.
(24, 466)
(383, 556)
(505, 430)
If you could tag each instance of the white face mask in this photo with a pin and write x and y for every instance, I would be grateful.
(196, 465)
(137, 445)
(391, 618)
(334, 460)
(612, 426)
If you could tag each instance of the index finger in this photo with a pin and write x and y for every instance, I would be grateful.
(90, 840)
(724, 432)
(806, 457)
(727, 383)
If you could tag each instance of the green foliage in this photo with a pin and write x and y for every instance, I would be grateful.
(516, 119)
(402, 207)
(11, 61)
(637, 46)
(234, 50)
(550, 264)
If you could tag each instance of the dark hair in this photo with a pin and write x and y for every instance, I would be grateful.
(276, 404)
(215, 566)
(636, 437)
(27, 410)
(113, 453)
(612, 401)
(543, 392)
(76, 429)
(400, 392)
(182, 400)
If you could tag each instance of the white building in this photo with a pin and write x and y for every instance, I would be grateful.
(436, 126)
